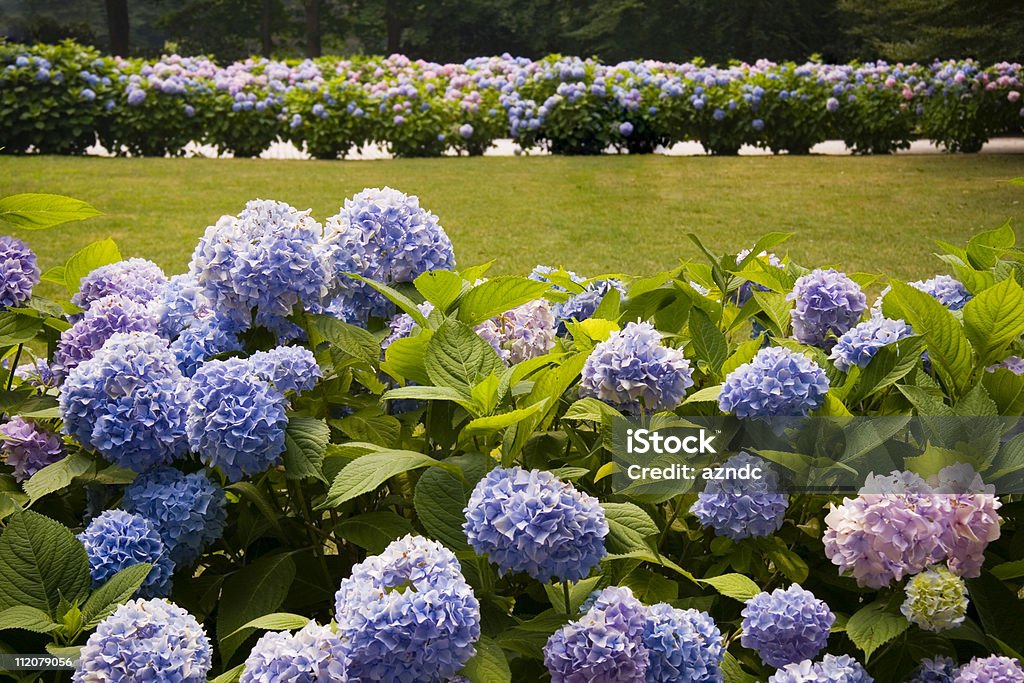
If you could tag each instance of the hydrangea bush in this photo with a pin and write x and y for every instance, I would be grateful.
(325, 454)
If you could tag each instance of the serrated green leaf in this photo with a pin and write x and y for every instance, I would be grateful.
(983, 249)
(488, 665)
(735, 586)
(354, 341)
(305, 441)
(591, 409)
(628, 527)
(993, 319)
(579, 591)
(497, 295)
(18, 328)
(88, 259)
(777, 308)
(404, 358)
(458, 358)
(373, 531)
(366, 473)
(253, 591)
(442, 288)
(230, 676)
(33, 211)
(441, 497)
(118, 589)
(709, 344)
(26, 618)
(495, 423)
(873, 626)
(278, 621)
(383, 430)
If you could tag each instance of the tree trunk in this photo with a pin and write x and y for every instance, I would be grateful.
(267, 27)
(394, 25)
(117, 26)
(312, 28)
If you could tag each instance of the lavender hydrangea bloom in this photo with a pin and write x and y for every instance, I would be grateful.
(188, 511)
(137, 279)
(858, 345)
(402, 325)
(529, 521)
(102, 320)
(581, 306)
(632, 369)
(142, 637)
(827, 303)
(384, 235)
(180, 304)
(947, 290)
(777, 382)
(522, 333)
(992, 669)
(936, 600)
(312, 655)
(205, 337)
(831, 669)
(408, 614)
(267, 259)
(38, 374)
(786, 626)
(288, 368)
(935, 670)
(684, 646)
(28, 448)
(605, 644)
(236, 419)
(116, 540)
(128, 402)
(19, 272)
(1014, 364)
(743, 508)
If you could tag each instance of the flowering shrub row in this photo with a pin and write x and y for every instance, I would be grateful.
(58, 99)
(322, 453)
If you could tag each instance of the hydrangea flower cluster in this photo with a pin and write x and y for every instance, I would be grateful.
(828, 303)
(743, 508)
(188, 511)
(312, 655)
(142, 637)
(529, 521)
(579, 307)
(786, 626)
(777, 382)
(858, 345)
(236, 419)
(684, 646)
(831, 669)
(267, 259)
(19, 272)
(1014, 364)
(28, 448)
(408, 614)
(205, 337)
(633, 370)
(116, 540)
(935, 670)
(936, 600)
(385, 235)
(287, 368)
(103, 319)
(128, 402)
(136, 279)
(947, 290)
(522, 333)
(992, 669)
(180, 304)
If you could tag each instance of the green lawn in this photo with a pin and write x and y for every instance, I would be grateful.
(627, 214)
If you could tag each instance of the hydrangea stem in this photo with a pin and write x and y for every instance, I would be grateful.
(568, 601)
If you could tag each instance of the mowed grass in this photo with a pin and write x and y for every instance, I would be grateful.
(592, 215)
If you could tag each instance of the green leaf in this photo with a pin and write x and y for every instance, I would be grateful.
(1006, 389)
(118, 589)
(489, 665)
(261, 499)
(744, 353)
(441, 497)
(875, 625)
(1009, 570)
(994, 318)
(494, 423)
(305, 441)
(88, 259)
(54, 275)
(253, 591)
(440, 287)
(733, 672)
(998, 608)
(383, 430)
(18, 328)
(230, 676)
(498, 295)
(41, 562)
(628, 527)
(777, 308)
(40, 211)
(891, 364)
(401, 300)
(366, 473)
(705, 395)
(735, 586)
(792, 566)
(592, 409)
(278, 621)
(456, 357)
(578, 594)
(26, 618)
(404, 357)
(709, 344)
(984, 248)
(354, 341)
(373, 531)
(428, 393)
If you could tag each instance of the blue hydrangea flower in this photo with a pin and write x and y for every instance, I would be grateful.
(103, 319)
(684, 646)
(858, 345)
(236, 419)
(408, 614)
(39, 374)
(206, 337)
(936, 600)
(786, 626)
(828, 303)
(19, 272)
(831, 669)
(947, 290)
(605, 644)
(529, 521)
(1014, 364)
(180, 304)
(633, 370)
(28, 448)
(991, 669)
(582, 306)
(312, 655)
(116, 540)
(521, 333)
(384, 235)
(935, 670)
(142, 637)
(266, 260)
(188, 511)
(137, 279)
(288, 368)
(777, 382)
(743, 508)
(128, 402)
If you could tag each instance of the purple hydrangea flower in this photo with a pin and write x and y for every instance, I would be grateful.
(625, 129)
(128, 402)
(28, 448)
(288, 368)
(19, 272)
(142, 637)
(466, 131)
(858, 345)
(136, 96)
(137, 279)
(777, 382)
(408, 614)
(402, 325)
(529, 521)
(786, 626)
(205, 337)
(581, 306)
(935, 670)
(831, 669)
(116, 540)
(1014, 364)
(522, 333)
(180, 304)
(39, 374)
(103, 319)
(991, 669)
(827, 303)
(188, 511)
(947, 290)
(633, 370)
(684, 646)
(312, 655)
(743, 508)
